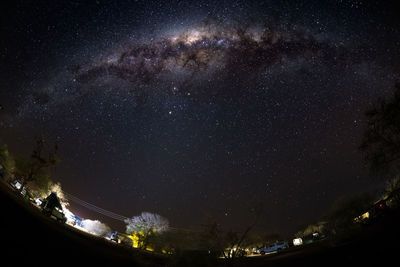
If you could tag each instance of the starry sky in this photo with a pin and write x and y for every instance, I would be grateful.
(199, 109)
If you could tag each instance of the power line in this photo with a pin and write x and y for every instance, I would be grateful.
(111, 214)
(97, 209)
(100, 211)
(94, 208)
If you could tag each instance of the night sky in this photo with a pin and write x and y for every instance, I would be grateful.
(198, 109)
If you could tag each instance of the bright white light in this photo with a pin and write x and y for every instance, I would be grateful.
(18, 185)
(95, 227)
(69, 215)
(297, 241)
(38, 201)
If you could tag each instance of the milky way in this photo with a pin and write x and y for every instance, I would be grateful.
(205, 57)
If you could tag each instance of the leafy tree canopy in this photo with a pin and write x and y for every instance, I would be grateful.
(381, 141)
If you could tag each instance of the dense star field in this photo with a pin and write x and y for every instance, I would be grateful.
(199, 110)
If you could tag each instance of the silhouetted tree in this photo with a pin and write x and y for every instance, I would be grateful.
(393, 185)
(392, 189)
(253, 240)
(230, 244)
(312, 228)
(7, 163)
(381, 140)
(345, 209)
(269, 238)
(175, 241)
(36, 168)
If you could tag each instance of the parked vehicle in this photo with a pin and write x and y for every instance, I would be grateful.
(298, 241)
(22, 189)
(113, 236)
(56, 213)
(51, 206)
(275, 247)
(379, 208)
(17, 184)
(26, 194)
(38, 201)
(313, 237)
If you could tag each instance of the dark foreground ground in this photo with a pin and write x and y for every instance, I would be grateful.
(30, 239)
